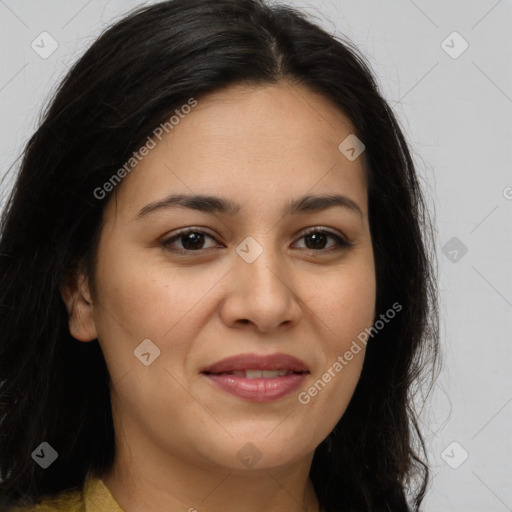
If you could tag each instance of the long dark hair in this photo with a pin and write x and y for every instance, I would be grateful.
(54, 389)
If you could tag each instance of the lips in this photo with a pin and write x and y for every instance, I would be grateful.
(270, 362)
(257, 378)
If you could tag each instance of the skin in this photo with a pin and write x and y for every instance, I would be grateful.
(177, 435)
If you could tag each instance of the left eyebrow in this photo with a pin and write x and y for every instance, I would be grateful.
(310, 203)
(214, 204)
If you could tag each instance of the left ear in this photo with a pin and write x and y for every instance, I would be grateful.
(75, 293)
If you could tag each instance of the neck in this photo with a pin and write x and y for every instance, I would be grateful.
(181, 487)
(144, 478)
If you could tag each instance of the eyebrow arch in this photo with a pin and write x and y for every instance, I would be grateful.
(213, 204)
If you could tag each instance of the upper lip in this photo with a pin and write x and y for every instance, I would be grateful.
(257, 362)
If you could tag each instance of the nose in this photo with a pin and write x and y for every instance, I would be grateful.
(261, 294)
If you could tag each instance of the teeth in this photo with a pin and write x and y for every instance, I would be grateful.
(258, 374)
(253, 374)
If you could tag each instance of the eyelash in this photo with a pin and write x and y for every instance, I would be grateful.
(341, 242)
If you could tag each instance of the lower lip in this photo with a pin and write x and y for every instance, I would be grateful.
(259, 389)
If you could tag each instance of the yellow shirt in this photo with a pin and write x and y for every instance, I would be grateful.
(94, 498)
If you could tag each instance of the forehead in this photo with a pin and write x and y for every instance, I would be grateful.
(252, 143)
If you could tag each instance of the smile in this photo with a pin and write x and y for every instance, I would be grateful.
(258, 378)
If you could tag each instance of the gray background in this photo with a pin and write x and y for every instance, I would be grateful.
(457, 115)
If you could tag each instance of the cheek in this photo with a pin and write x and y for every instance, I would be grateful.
(345, 308)
(344, 311)
(344, 302)
(154, 301)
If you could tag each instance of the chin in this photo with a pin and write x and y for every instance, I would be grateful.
(259, 450)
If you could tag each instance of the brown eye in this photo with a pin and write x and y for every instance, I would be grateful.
(316, 240)
(191, 240)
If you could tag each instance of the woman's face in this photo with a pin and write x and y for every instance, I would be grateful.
(263, 279)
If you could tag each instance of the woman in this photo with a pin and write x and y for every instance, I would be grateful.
(216, 288)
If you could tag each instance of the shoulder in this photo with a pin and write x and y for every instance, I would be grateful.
(94, 496)
(72, 500)
(69, 501)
